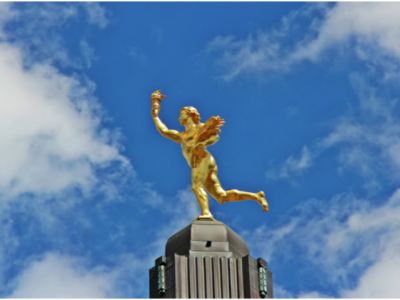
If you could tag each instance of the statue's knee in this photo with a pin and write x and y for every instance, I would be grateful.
(222, 197)
(197, 189)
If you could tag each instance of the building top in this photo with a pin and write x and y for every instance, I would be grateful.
(207, 237)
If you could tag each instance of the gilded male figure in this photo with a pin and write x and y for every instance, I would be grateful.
(194, 141)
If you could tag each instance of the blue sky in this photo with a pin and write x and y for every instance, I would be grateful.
(90, 191)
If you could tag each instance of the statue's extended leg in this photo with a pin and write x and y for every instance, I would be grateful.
(213, 186)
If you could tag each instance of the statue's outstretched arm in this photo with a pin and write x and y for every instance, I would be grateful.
(171, 134)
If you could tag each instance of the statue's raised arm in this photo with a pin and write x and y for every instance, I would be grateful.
(156, 98)
(194, 142)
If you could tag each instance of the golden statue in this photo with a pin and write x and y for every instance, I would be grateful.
(194, 141)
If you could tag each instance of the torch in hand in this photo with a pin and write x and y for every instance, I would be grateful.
(156, 98)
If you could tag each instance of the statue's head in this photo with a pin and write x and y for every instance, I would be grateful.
(189, 112)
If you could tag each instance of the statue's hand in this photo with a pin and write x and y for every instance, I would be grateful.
(157, 95)
(156, 98)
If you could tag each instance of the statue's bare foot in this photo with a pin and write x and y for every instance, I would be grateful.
(205, 216)
(262, 201)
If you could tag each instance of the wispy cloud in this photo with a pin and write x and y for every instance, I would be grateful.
(366, 139)
(6, 14)
(351, 240)
(351, 237)
(266, 51)
(57, 276)
(50, 130)
(137, 54)
(292, 166)
(87, 53)
(58, 159)
(374, 27)
(97, 14)
(368, 23)
(36, 25)
(379, 280)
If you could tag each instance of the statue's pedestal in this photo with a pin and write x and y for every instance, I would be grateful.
(207, 259)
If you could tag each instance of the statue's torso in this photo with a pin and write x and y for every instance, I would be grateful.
(188, 145)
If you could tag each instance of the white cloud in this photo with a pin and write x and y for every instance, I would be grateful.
(371, 29)
(50, 123)
(368, 22)
(254, 54)
(87, 53)
(265, 51)
(313, 295)
(345, 238)
(280, 292)
(57, 276)
(96, 13)
(354, 242)
(38, 24)
(381, 279)
(53, 145)
(48, 127)
(257, 236)
(368, 138)
(292, 166)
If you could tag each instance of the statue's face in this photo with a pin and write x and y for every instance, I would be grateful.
(183, 117)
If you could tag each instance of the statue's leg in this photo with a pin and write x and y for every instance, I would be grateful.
(213, 186)
(198, 179)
